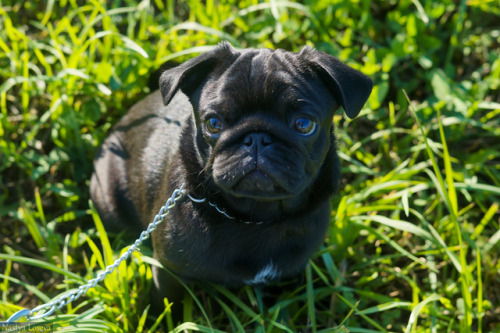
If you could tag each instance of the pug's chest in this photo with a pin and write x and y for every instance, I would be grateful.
(253, 255)
(215, 249)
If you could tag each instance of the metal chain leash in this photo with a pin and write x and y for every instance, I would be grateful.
(222, 211)
(49, 308)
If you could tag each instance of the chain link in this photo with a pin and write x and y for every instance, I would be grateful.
(223, 211)
(49, 308)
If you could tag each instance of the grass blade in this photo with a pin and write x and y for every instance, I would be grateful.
(103, 236)
(480, 313)
(492, 242)
(396, 224)
(385, 307)
(364, 316)
(452, 193)
(42, 264)
(417, 309)
(311, 311)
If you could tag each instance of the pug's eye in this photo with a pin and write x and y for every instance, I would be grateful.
(305, 126)
(214, 126)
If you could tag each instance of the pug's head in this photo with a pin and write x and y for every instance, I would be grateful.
(262, 126)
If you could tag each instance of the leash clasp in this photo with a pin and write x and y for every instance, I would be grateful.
(19, 314)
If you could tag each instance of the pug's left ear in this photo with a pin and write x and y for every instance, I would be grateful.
(349, 86)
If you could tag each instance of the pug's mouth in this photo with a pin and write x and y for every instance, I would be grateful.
(259, 185)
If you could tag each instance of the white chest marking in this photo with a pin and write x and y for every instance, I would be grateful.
(266, 274)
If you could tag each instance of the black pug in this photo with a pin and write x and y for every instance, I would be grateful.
(250, 135)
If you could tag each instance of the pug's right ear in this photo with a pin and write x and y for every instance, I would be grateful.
(190, 75)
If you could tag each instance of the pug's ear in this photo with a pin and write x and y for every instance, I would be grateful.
(349, 86)
(190, 75)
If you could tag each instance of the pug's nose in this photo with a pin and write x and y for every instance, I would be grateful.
(258, 138)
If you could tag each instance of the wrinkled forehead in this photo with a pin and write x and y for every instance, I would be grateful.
(266, 71)
(265, 79)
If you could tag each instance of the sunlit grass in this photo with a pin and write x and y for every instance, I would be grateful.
(414, 241)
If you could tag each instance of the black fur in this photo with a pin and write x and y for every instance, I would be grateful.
(258, 169)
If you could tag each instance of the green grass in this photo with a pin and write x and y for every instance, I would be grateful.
(414, 241)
